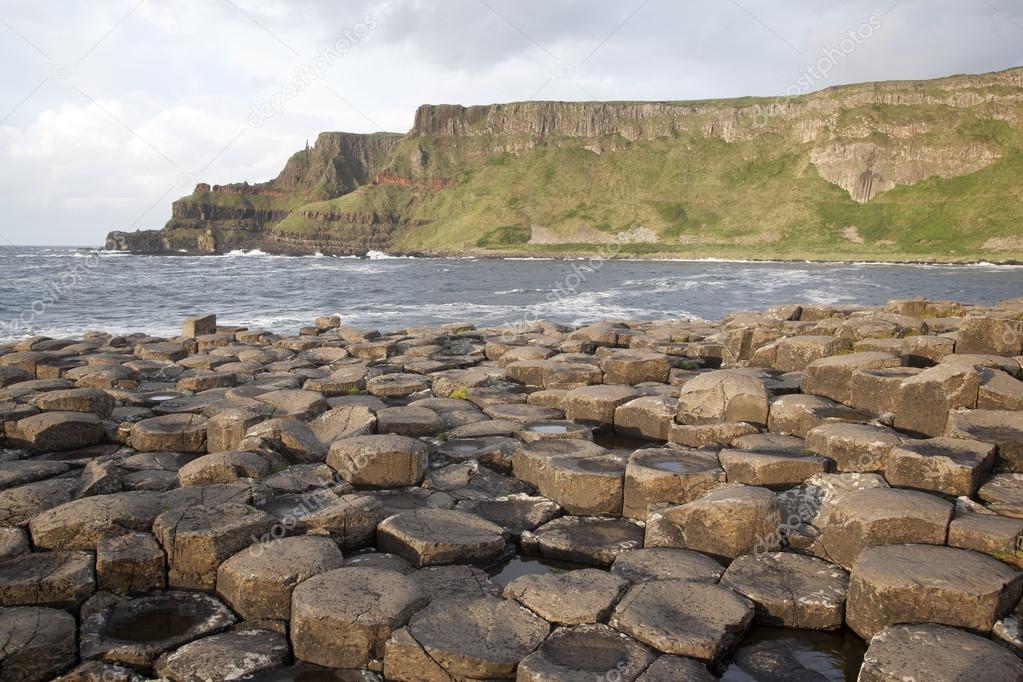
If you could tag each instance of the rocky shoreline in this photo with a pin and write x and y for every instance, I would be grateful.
(628, 500)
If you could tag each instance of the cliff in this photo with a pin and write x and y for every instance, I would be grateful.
(901, 169)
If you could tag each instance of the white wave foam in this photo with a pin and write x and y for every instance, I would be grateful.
(380, 255)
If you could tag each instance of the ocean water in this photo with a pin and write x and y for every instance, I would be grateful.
(65, 291)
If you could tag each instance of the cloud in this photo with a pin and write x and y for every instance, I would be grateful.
(110, 111)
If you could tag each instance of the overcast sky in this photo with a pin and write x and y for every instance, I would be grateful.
(109, 110)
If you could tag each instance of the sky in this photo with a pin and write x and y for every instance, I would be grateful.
(110, 110)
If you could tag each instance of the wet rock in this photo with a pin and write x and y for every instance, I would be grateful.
(58, 579)
(225, 467)
(136, 631)
(36, 644)
(951, 466)
(667, 476)
(197, 539)
(723, 396)
(727, 523)
(672, 668)
(570, 598)
(585, 652)
(854, 447)
(456, 583)
(481, 639)
(382, 461)
(925, 583)
(428, 537)
(936, 652)
(881, 516)
(92, 400)
(228, 655)
(923, 401)
(791, 590)
(258, 581)
(998, 427)
(170, 433)
(666, 563)
(584, 539)
(58, 431)
(342, 618)
(130, 564)
(699, 620)
(513, 513)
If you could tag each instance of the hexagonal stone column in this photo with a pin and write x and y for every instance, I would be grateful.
(936, 652)
(925, 583)
(36, 644)
(429, 537)
(952, 466)
(791, 590)
(667, 476)
(584, 539)
(341, 618)
(699, 620)
(384, 461)
(228, 655)
(60, 579)
(723, 396)
(170, 433)
(596, 404)
(591, 652)
(569, 598)
(257, 582)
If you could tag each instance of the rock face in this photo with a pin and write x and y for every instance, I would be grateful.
(404, 179)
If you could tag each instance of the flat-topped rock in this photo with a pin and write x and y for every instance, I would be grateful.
(923, 401)
(59, 431)
(666, 563)
(658, 477)
(854, 447)
(881, 516)
(727, 522)
(514, 513)
(699, 620)
(938, 653)
(925, 583)
(294, 403)
(585, 652)
(257, 582)
(397, 385)
(409, 421)
(648, 417)
(20, 471)
(791, 590)
(225, 467)
(952, 466)
(723, 396)
(380, 461)
(342, 618)
(635, 367)
(596, 404)
(228, 655)
(94, 400)
(584, 539)
(428, 537)
(770, 469)
(672, 668)
(170, 433)
(130, 564)
(36, 644)
(60, 579)
(569, 598)
(1003, 428)
(583, 484)
(831, 377)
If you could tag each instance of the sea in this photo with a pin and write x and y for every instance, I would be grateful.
(65, 291)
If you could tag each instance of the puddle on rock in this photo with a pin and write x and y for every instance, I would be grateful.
(547, 428)
(606, 438)
(507, 571)
(152, 625)
(778, 654)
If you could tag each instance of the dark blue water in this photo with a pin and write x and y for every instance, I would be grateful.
(62, 292)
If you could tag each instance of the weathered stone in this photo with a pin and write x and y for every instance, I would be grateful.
(647, 417)
(198, 539)
(396, 385)
(522, 414)
(342, 618)
(257, 582)
(796, 415)
(136, 631)
(225, 467)
(770, 469)
(854, 447)
(596, 404)
(198, 326)
(36, 644)
(514, 513)
(456, 583)
(998, 427)
(568, 598)
(876, 389)
(170, 433)
(925, 351)
(226, 429)
(583, 484)
(727, 522)
(228, 655)
(409, 421)
(634, 367)
(21, 471)
(985, 532)
(708, 435)
(676, 668)
(693, 619)
(344, 421)
(569, 375)
(480, 639)
(924, 583)
(130, 564)
(59, 431)
(881, 516)
(832, 377)
(94, 400)
(294, 403)
(990, 335)
(923, 401)
(951, 466)
(937, 653)
(723, 396)
(666, 563)
(382, 461)
(791, 590)
(97, 671)
(289, 437)
(428, 537)
(60, 579)
(1003, 494)
(583, 653)
(794, 353)
(585, 539)
(667, 476)
(999, 391)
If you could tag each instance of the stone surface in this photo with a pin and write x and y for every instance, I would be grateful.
(698, 620)
(170, 433)
(130, 564)
(936, 652)
(60, 579)
(583, 484)
(657, 477)
(342, 618)
(923, 401)
(225, 467)
(770, 469)
(428, 537)
(723, 396)
(568, 598)
(952, 466)
(853, 447)
(225, 656)
(36, 644)
(1003, 428)
(583, 653)
(59, 431)
(666, 563)
(596, 404)
(257, 582)
(383, 461)
(791, 590)
(924, 583)
(585, 539)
